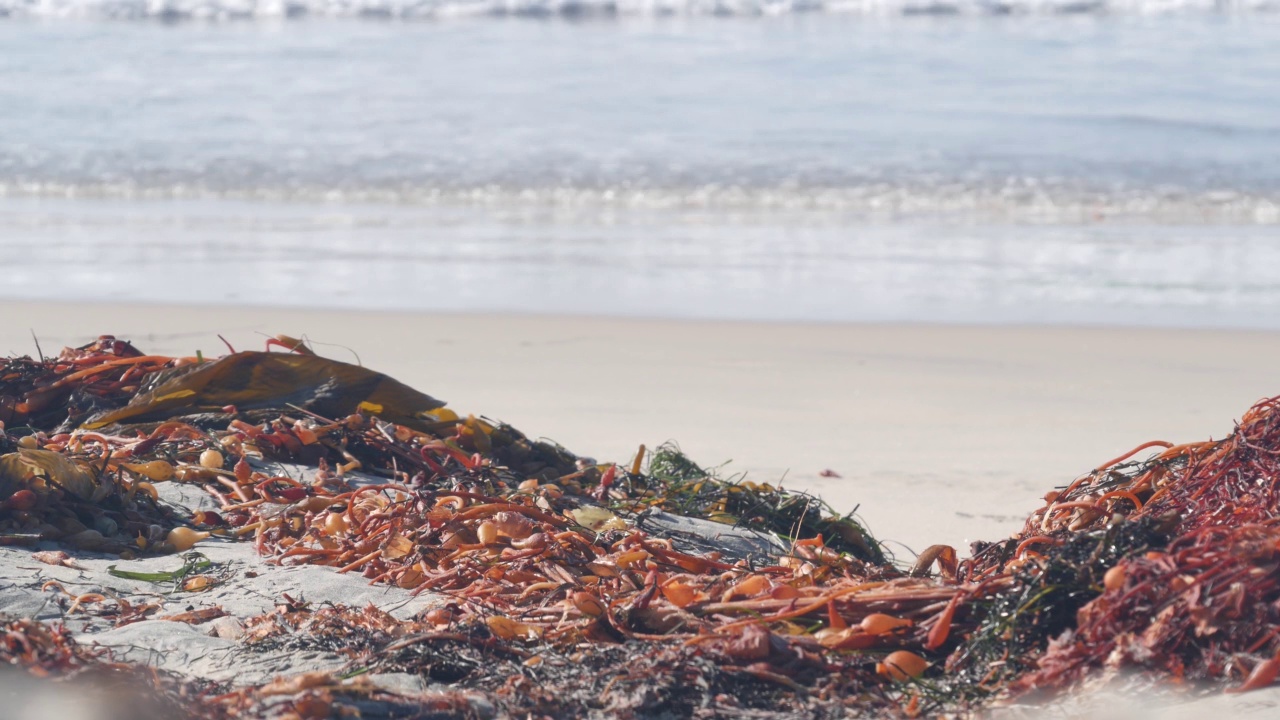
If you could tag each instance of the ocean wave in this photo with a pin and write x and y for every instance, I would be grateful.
(439, 9)
(1016, 201)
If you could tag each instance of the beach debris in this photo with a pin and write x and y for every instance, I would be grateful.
(88, 679)
(55, 557)
(677, 485)
(194, 575)
(696, 535)
(196, 617)
(656, 587)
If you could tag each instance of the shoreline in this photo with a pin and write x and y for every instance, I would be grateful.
(43, 307)
(940, 433)
(718, 267)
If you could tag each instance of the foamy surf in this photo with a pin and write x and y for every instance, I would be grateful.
(1038, 169)
(441, 9)
(1013, 201)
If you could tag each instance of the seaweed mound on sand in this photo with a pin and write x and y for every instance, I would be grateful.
(550, 585)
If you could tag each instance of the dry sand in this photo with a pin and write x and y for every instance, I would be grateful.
(941, 434)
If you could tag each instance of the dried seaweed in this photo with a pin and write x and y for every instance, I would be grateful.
(559, 598)
(676, 484)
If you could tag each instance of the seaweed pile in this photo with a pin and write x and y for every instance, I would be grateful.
(559, 594)
(1172, 563)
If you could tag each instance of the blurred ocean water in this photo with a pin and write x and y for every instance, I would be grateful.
(579, 9)
(1111, 162)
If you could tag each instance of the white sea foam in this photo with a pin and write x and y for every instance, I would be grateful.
(1015, 201)
(1038, 121)
(439, 9)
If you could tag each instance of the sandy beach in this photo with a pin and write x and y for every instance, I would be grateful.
(937, 434)
(943, 264)
(940, 434)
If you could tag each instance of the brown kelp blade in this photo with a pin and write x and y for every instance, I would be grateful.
(262, 380)
(36, 469)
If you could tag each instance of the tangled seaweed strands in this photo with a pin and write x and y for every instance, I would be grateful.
(675, 484)
(90, 490)
(61, 391)
(121, 689)
(47, 651)
(1202, 484)
(520, 566)
(544, 679)
(1164, 564)
(60, 483)
(520, 571)
(1206, 606)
